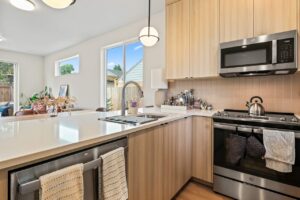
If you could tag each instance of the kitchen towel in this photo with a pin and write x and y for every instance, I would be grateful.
(64, 184)
(280, 150)
(235, 147)
(113, 176)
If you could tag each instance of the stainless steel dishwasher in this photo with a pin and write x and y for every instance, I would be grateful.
(24, 182)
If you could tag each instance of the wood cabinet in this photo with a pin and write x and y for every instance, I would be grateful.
(271, 16)
(3, 185)
(204, 38)
(159, 161)
(236, 19)
(202, 154)
(145, 171)
(248, 18)
(192, 39)
(171, 1)
(177, 45)
(178, 155)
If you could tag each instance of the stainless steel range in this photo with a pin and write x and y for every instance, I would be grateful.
(245, 175)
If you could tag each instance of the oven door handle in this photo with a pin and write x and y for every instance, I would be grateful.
(34, 185)
(248, 129)
(225, 126)
(274, 52)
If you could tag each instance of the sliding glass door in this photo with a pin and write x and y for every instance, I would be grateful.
(123, 63)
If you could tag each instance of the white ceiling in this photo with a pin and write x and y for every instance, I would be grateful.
(47, 30)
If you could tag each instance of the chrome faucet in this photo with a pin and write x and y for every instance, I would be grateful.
(123, 94)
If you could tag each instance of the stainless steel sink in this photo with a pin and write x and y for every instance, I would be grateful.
(153, 116)
(133, 119)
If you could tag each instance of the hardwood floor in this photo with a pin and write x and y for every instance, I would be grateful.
(195, 191)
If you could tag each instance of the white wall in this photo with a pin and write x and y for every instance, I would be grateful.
(31, 70)
(87, 86)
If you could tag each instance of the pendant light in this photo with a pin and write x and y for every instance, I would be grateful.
(59, 4)
(26, 5)
(149, 35)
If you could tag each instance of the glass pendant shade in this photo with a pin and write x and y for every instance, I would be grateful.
(149, 36)
(23, 4)
(59, 4)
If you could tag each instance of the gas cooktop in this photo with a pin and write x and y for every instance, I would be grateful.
(269, 117)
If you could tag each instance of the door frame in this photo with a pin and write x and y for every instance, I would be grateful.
(16, 84)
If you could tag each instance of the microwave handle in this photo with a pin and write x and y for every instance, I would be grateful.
(274, 52)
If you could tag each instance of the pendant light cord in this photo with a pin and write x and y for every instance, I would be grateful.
(149, 13)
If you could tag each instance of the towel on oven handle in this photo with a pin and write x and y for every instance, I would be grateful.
(255, 148)
(235, 146)
(280, 150)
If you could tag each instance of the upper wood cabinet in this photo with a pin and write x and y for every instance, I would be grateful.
(202, 163)
(271, 16)
(171, 1)
(194, 29)
(236, 19)
(177, 37)
(204, 38)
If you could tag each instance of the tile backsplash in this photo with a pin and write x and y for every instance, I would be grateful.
(280, 93)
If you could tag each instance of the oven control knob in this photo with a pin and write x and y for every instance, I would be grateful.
(218, 113)
(294, 119)
(282, 119)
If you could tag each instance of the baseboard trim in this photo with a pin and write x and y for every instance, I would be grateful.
(202, 182)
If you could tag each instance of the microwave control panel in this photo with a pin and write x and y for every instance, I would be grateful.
(285, 50)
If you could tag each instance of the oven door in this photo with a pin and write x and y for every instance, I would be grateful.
(232, 162)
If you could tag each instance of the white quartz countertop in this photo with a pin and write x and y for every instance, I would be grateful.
(31, 140)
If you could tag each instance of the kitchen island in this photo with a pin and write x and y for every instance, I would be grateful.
(27, 142)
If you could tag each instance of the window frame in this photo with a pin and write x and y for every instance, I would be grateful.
(57, 67)
(104, 65)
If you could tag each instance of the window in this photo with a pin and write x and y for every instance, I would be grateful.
(7, 80)
(67, 66)
(123, 63)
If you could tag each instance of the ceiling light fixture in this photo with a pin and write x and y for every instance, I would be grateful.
(26, 5)
(59, 4)
(149, 35)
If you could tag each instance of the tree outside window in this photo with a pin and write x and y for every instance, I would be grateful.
(67, 66)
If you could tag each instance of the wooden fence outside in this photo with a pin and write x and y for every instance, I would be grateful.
(6, 93)
(115, 93)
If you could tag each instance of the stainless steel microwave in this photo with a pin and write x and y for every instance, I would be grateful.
(263, 55)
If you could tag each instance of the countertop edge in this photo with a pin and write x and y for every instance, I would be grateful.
(37, 157)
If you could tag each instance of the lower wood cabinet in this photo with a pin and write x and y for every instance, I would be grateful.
(177, 156)
(145, 164)
(202, 156)
(159, 160)
(3, 185)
